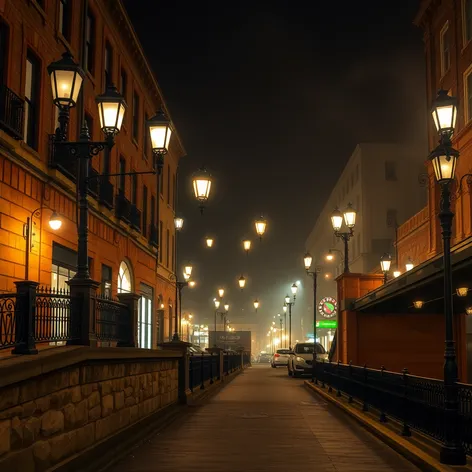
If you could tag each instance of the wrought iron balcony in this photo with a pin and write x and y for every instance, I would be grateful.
(122, 207)
(12, 110)
(135, 217)
(153, 235)
(106, 191)
(60, 158)
(94, 182)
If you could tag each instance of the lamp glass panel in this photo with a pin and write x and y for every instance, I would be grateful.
(160, 137)
(336, 221)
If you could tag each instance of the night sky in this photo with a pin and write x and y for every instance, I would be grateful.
(272, 98)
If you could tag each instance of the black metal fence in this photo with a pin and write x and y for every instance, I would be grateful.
(203, 368)
(11, 112)
(416, 402)
(8, 320)
(112, 319)
(231, 362)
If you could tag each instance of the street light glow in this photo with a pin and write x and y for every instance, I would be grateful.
(55, 221)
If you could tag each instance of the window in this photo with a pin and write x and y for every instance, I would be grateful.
(145, 317)
(106, 280)
(124, 278)
(135, 116)
(390, 170)
(173, 253)
(32, 100)
(167, 248)
(65, 16)
(145, 210)
(153, 210)
(468, 92)
(123, 83)
(161, 231)
(134, 189)
(174, 190)
(108, 64)
(146, 138)
(121, 178)
(467, 20)
(4, 34)
(59, 276)
(445, 48)
(90, 43)
(168, 184)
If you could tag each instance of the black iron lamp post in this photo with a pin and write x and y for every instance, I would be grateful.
(201, 187)
(444, 160)
(349, 217)
(178, 312)
(385, 262)
(285, 322)
(308, 260)
(289, 303)
(256, 304)
(261, 225)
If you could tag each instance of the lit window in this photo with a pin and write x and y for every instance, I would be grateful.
(124, 278)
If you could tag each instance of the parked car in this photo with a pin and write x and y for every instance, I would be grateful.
(280, 357)
(265, 359)
(301, 358)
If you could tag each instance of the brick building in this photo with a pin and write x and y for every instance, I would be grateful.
(130, 216)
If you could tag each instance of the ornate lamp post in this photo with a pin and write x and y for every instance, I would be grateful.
(290, 303)
(209, 242)
(308, 259)
(261, 225)
(221, 292)
(242, 282)
(247, 246)
(178, 312)
(201, 187)
(285, 323)
(349, 217)
(256, 304)
(385, 262)
(444, 160)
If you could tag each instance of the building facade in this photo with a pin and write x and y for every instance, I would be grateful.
(131, 216)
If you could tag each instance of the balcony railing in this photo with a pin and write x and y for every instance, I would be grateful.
(94, 182)
(60, 158)
(123, 207)
(135, 217)
(105, 193)
(153, 235)
(12, 109)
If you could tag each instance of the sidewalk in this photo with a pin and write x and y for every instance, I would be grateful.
(264, 420)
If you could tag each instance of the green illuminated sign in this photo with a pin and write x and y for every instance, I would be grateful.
(329, 324)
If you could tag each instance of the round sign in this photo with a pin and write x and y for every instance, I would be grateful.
(328, 307)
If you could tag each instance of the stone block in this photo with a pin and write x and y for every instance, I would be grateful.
(133, 413)
(81, 413)
(105, 387)
(129, 391)
(20, 461)
(107, 405)
(69, 416)
(43, 404)
(5, 436)
(63, 446)
(95, 413)
(155, 388)
(61, 398)
(52, 383)
(119, 400)
(9, 397)
(31, 430)
(76, 394)
(11, 412)
(42, 455)
(28, 391)
(16, 433)
(129, 401)
(74, 377)
(93, 400)
(86, 390)
(107, 426)
(29, 409)
(124, 417)
(52, 422)
(85, 436)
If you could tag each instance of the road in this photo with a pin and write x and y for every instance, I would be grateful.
(264, 421)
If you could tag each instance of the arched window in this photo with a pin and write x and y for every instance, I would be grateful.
(124, 278)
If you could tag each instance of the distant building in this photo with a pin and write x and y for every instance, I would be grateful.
(380, 180)
(130, 216)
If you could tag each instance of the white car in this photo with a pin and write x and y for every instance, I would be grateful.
(301, 358)
(280, 357)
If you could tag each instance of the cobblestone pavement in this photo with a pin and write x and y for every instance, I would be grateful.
(264, 421)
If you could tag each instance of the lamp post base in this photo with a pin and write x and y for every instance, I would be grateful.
(175, 337)
(452, 455)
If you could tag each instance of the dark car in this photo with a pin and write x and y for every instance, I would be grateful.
(265, 359)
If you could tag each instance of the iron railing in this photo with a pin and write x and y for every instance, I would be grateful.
(122, 207)
(153, 235)
(9, 309)
(105, 193)
(231, 362)
(135, 217)
(111, 319)
(93, 181)
(61, 159)
(52, 321)
(12, 109)
(202, 368)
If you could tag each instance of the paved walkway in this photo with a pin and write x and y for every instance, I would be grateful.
(264, 421)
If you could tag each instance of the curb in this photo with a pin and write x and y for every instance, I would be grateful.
(405, 448)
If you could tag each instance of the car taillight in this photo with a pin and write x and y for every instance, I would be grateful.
(276, 355)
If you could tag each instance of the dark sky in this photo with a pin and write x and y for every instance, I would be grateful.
(272, 97)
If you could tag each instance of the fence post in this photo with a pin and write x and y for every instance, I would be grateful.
(383, 417)
(25, 317)
(330, 388)
(338, 391)
(130, 328)
(202, 385)
(349, 400)
(323, 376)
(219, 358)
(406, 429)
(82, 310)
(365, 405)
(211, 368)
(191, 374)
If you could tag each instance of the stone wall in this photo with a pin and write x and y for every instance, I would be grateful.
(47, 419)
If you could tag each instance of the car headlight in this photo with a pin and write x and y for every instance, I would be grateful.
(299, 359)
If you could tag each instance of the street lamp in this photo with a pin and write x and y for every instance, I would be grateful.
(209, 242)
(285, 322)
(192, 283)
(289, 303)
(409, 264)
(188, 269)
(294, 289)
(349, 217)
(201, 187)
(217, 303)
(226, 306)
(308, 259)
(256, 304)
(444, 160)
(221, 292)
(397, 273)
(178, 223)
(385, 262)
(261, 225)
(160, 130)
(186, 276)
(247, 245)
(241, 282)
